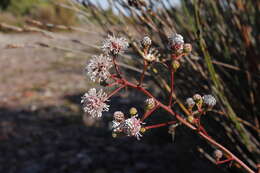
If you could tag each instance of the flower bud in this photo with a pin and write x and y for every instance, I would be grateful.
(197, 98)
(175, 65)
(114, 135)
(119, 116)
(142, 130)
(133, 111)
(190, 103)
(190, 119)
(146, 42)
(218, 154)
(187, 48)
(149, 103)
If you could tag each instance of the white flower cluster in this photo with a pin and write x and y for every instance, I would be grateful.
(130, 126)
(94, 102)
(114, 45)
(209, 100)
(176, 42)
(146, 42)
(98, 68)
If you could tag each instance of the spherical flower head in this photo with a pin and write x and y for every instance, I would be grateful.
(190, 102)
(149, 103)
(209, 101)
(218, 154)
(98, 68)
(94, 102)
(146, 42)
(114, 45)
(119, 116)
(176, 43)
(197, 98)
(132, 127)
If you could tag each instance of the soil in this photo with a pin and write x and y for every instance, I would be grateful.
(41, 127)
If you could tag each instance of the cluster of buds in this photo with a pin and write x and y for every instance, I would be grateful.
(177, 45)
(202, 103)
(131, 126)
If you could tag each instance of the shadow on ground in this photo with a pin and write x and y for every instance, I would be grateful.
(48, 140)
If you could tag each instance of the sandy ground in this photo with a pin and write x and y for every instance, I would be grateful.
(32, 72)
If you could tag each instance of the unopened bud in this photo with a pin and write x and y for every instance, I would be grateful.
(155, 70)
(175, 65)
(187, 48)
(218, 154)
(142, 130)
(114, 135)
(197, 98)
(190, 119)
(190, 102)
(149, 103)
(133, 111)
(119, 116)
(146, 42)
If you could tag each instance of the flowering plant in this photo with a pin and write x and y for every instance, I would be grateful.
(100, 69)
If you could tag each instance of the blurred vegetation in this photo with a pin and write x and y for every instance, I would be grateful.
(225, 60)
(49, 11)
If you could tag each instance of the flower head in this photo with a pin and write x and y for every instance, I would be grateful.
(197, 98)
(218, 154)
(114, 45)
(176, 42)
(119, 116)
(98, 68)
(209, 101)
(132, 127)
(146, 42)
(149, 103)
(94, 102)
(190, 102)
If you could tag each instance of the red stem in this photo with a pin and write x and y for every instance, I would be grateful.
(115, 91)
(116, 66)
(144, 70)
(172, 86)
(183, 121)
(160, 125)
(224, 161)
(149, 112)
